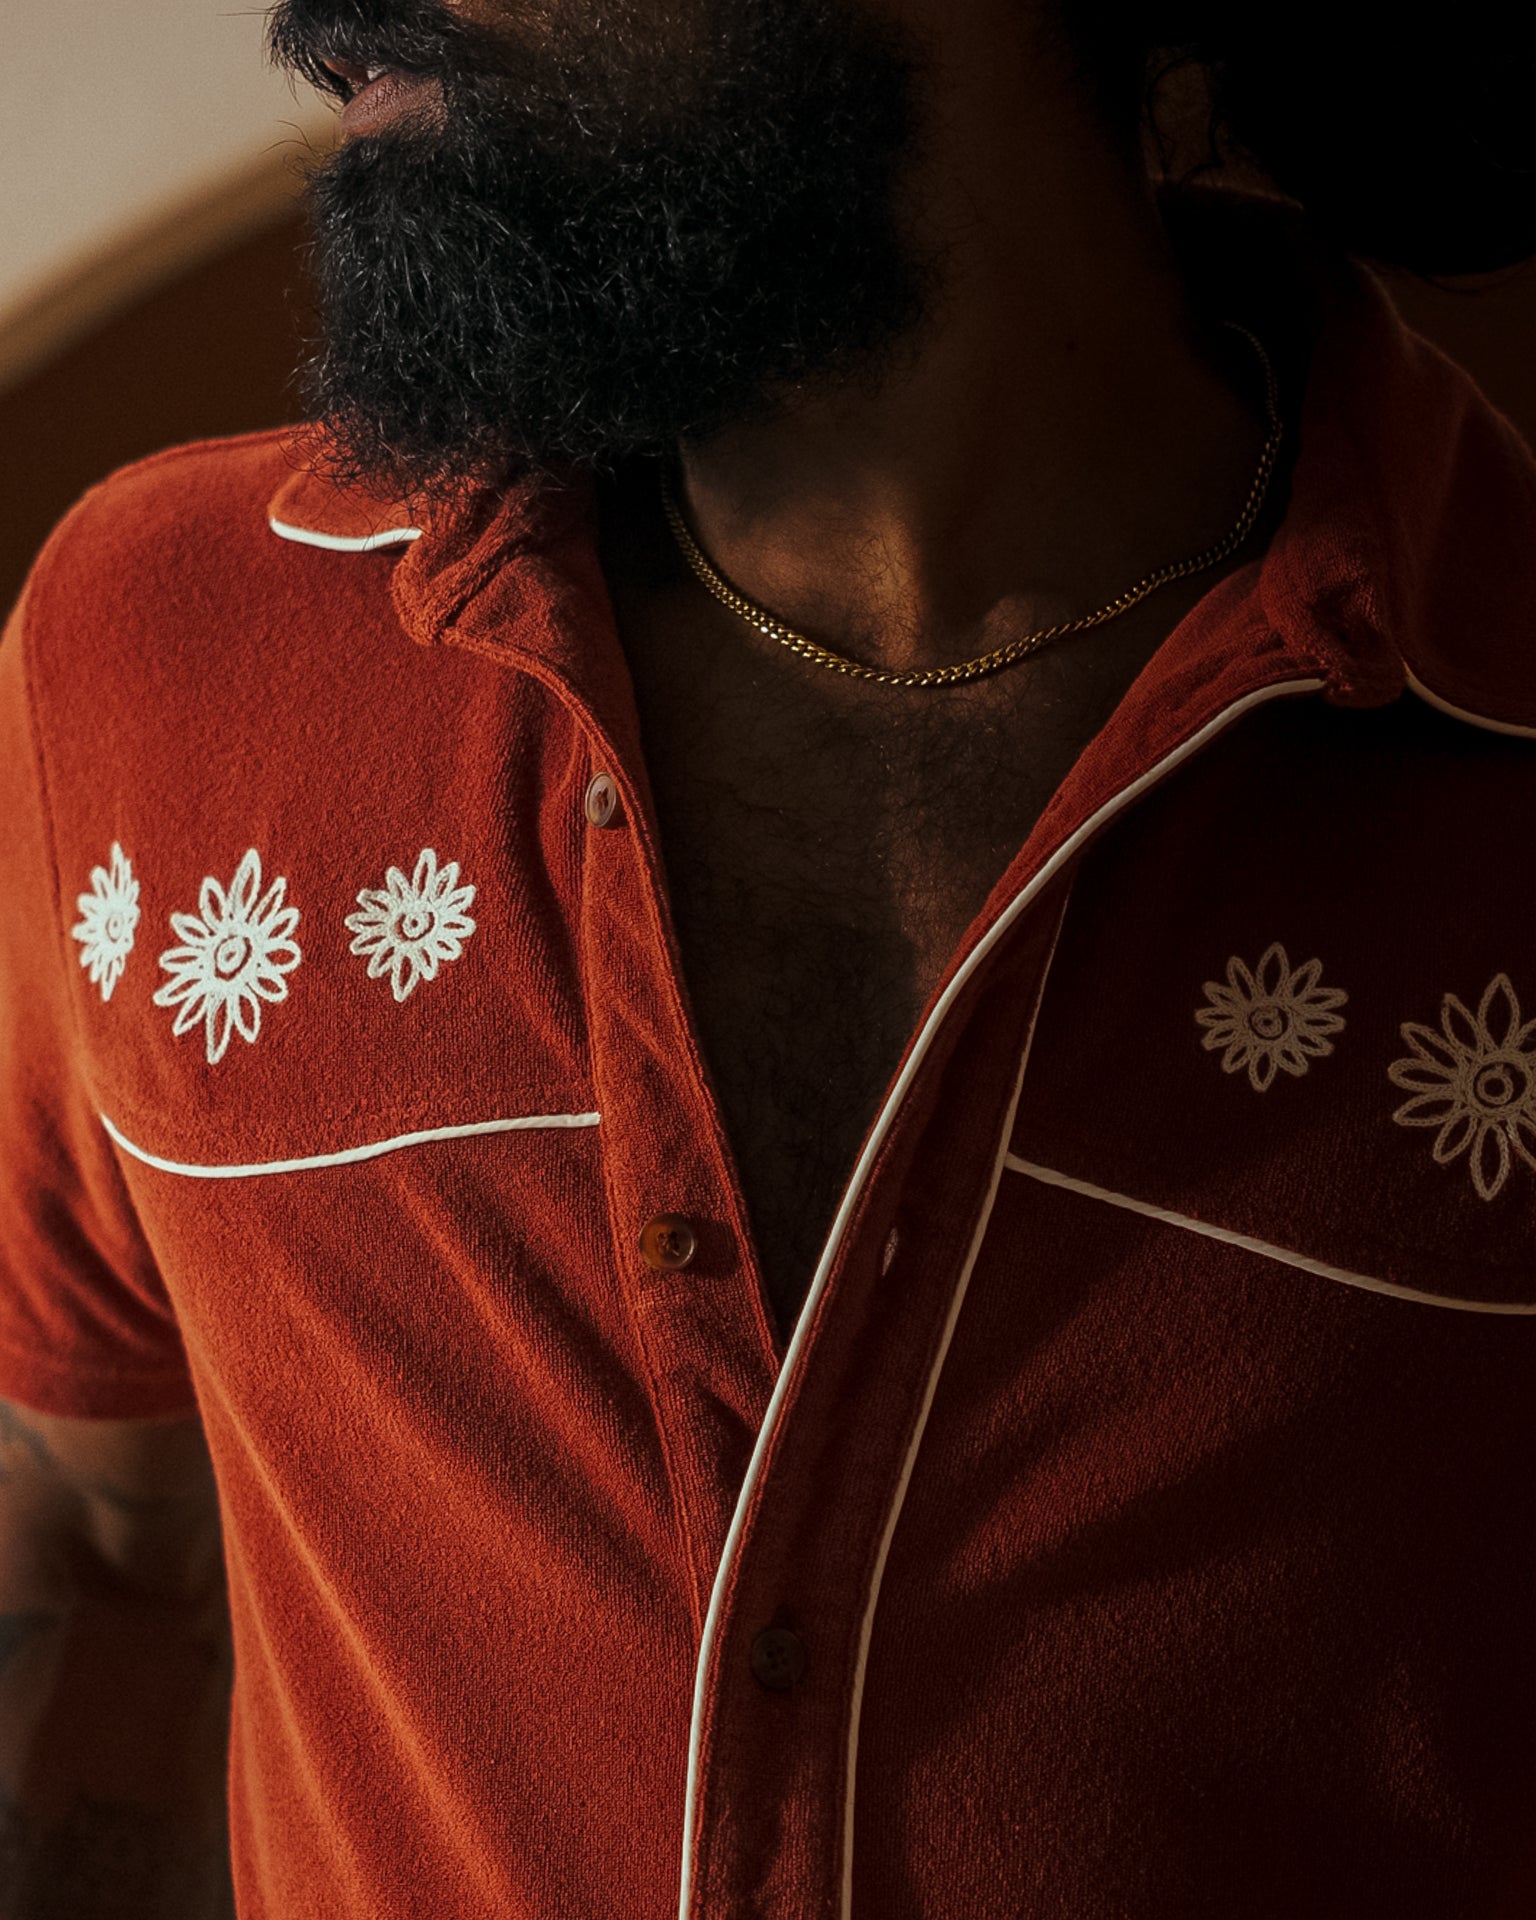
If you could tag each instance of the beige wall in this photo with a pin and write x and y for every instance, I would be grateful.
(118, 115)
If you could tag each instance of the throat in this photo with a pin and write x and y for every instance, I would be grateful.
(804, 996)
(823, 867)
(828, 845)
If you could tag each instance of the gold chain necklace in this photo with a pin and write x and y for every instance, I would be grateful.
(1014, 650)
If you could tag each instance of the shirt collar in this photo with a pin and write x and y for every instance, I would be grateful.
(1404, 557)
(1407, 550)
(312, 512)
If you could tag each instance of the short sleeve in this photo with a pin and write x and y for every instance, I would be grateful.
(86, 1327)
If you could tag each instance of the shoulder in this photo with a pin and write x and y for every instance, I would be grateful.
(214, 526)
(155, 554)
(171, 513)
(174, 569)
(1412, 521)
(1463, 591)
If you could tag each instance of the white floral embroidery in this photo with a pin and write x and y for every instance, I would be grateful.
(1476, 1081)
(1270, 1018)
(234, 957)
(410, 926)
(109, 913)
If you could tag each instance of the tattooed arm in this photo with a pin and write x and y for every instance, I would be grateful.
(114, 1672)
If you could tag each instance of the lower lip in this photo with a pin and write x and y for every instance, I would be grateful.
(393, 96)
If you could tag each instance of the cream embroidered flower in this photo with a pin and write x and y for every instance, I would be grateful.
(109, 913)
(1476, 1081)
(409, 927)
(234, 956)
(1270, 1017)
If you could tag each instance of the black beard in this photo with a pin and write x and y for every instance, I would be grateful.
(606, 247)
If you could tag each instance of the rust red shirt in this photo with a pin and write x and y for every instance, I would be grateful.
(1139, 1524)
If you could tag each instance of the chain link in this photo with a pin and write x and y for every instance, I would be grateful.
(1013, 650)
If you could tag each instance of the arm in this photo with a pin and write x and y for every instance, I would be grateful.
(115, 1672)
(114, 1638)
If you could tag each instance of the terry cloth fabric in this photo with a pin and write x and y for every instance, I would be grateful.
(1140, 1515)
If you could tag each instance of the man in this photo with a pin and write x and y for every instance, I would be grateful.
(793, 995)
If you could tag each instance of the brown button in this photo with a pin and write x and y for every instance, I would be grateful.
(778, 1659)
(668, 1242)
(603, 800)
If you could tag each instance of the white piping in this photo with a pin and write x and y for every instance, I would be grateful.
(348, 1154)
(877, 1577)
(1281, 1254)
(1461, 713)
(344, 542)
(1063, 854)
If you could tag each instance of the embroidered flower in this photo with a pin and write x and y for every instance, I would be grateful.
(1476, 1081)
(1270, 1017)
(408, 927)
(234, 956)
(109, 913)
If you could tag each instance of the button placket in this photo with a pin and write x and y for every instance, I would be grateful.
(668, 1242)
(812, 1544)
(708, 1356)
(779, 1659)
(601, 804)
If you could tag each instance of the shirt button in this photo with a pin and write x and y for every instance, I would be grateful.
(778, 1659)
(602, 801)
(668, 1242)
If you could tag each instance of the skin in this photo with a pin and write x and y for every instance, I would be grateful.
(1062, 427)
(115, 1671)
(1062, 431)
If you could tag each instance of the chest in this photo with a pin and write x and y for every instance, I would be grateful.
(827, 846)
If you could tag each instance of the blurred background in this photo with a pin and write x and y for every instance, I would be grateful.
(151, 285)
(151, 276)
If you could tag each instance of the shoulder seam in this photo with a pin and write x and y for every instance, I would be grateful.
(100, 490)
(212, 444)
(166, 457)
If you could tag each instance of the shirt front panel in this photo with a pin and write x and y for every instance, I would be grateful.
(1208, 1591)
(498, 1349)
(770, 1793)
(1208, 1594)
(371, 1177)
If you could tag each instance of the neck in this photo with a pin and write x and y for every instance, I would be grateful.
(1063, 425)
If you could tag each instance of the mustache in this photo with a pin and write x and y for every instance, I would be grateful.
(412, 36)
